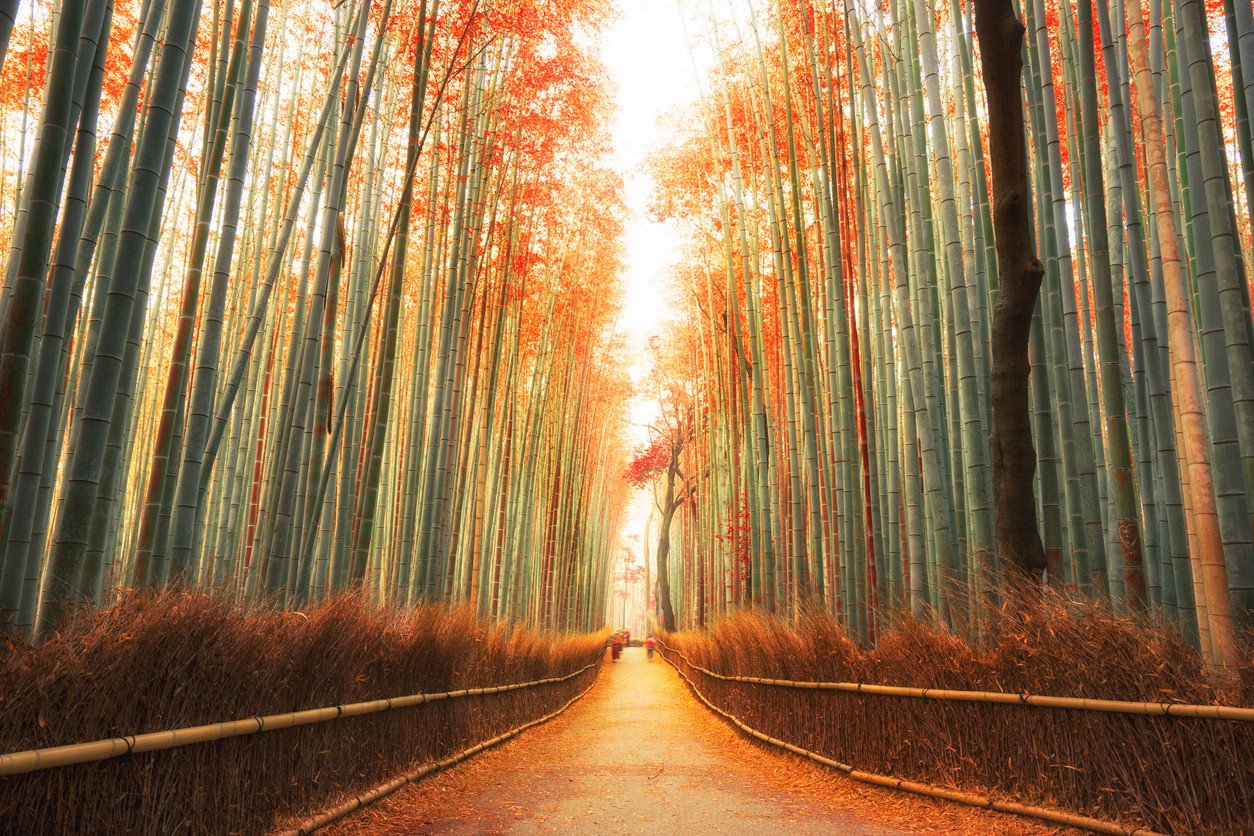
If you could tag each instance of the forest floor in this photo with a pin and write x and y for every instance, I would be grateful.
(638, 754)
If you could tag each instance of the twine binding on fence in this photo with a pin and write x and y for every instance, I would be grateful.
(969, 799)
(34, 760)
(1154, 709)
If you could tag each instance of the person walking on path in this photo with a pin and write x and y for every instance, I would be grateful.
(648, 647)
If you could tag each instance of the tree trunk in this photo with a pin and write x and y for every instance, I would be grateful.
(1019, 276)
(664, 547)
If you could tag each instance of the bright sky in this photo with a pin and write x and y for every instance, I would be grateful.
(648, 60)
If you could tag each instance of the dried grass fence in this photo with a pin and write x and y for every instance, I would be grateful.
(315, 823)
(1185, 772)
(177, 661)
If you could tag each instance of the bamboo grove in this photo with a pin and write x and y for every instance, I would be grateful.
(829, 442)
(307, 296)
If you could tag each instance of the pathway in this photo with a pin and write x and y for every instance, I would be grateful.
(638, 755)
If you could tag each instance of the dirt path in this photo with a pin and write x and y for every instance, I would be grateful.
(639, 755)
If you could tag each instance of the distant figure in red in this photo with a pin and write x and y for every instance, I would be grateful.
(648, 647)
(616, 647)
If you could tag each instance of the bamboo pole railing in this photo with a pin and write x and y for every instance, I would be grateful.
(388, 787)
(1155, 709)
(889, 782)
(34, 760)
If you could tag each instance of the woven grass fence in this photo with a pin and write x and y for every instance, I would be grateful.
(179, 661)
(1135, 767)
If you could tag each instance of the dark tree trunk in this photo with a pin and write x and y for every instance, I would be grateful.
(664, 546)
(1019, 274)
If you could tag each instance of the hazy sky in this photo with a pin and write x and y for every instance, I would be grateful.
(647, 58)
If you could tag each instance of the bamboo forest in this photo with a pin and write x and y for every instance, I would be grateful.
(884, 367)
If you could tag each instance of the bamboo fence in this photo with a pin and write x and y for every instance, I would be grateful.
(388, 787)
(1154, 709)
(33, 760)
(976, 800)
(185, 659)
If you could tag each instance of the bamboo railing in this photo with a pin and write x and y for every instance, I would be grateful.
(388, 787)
(33, 760)
(1156, 709)
(889, 782)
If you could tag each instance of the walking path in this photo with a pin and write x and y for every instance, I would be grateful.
(638, 754)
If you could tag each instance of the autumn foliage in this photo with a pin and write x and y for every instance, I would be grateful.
(648, 460)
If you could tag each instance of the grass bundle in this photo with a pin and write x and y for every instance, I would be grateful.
(176, 660)
(1170, 774)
